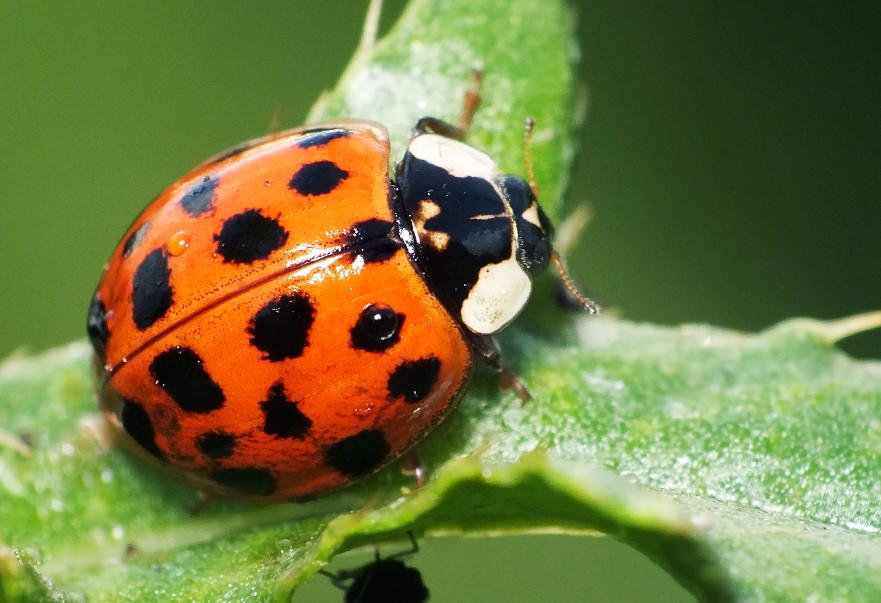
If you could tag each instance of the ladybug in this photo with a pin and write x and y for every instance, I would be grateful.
(383, 579)
(287, 318)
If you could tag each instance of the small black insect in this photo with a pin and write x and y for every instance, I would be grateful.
(383, 580)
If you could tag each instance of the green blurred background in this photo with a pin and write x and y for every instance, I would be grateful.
(731, 157)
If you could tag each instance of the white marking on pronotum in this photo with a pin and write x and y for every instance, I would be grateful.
(501, 289)
(497, 297)
(457, 158)
(426, 211)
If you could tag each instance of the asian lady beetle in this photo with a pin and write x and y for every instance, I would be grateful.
(287, 319)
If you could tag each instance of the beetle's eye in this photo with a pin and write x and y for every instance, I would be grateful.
(533, 228)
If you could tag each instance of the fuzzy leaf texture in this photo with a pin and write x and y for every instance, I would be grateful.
(746, 465)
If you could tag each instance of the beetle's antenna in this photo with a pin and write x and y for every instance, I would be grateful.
(587, 303)
(527, 155)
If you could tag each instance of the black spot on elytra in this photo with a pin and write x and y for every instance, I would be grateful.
(96, 326)
(247, 480)
(216, 444)
(282, 417)
(317, 138)
(136, 422)
(318, 178)
(359, 454)
(378, 328)
(134, 239)
(413, 379)
(200, 198)
(379, 252)
(151, 289)
(248, 237)
(367, 231)
(371, 240)
(280, 329)
(180, 373)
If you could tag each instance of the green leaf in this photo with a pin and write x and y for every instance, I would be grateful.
(746, 465)
(425, 64)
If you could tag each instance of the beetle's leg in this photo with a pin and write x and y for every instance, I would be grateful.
(488, 351)
(470, 103)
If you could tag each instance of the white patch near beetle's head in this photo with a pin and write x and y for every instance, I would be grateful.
(531, 215)
(457, 158)
(497, 297)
